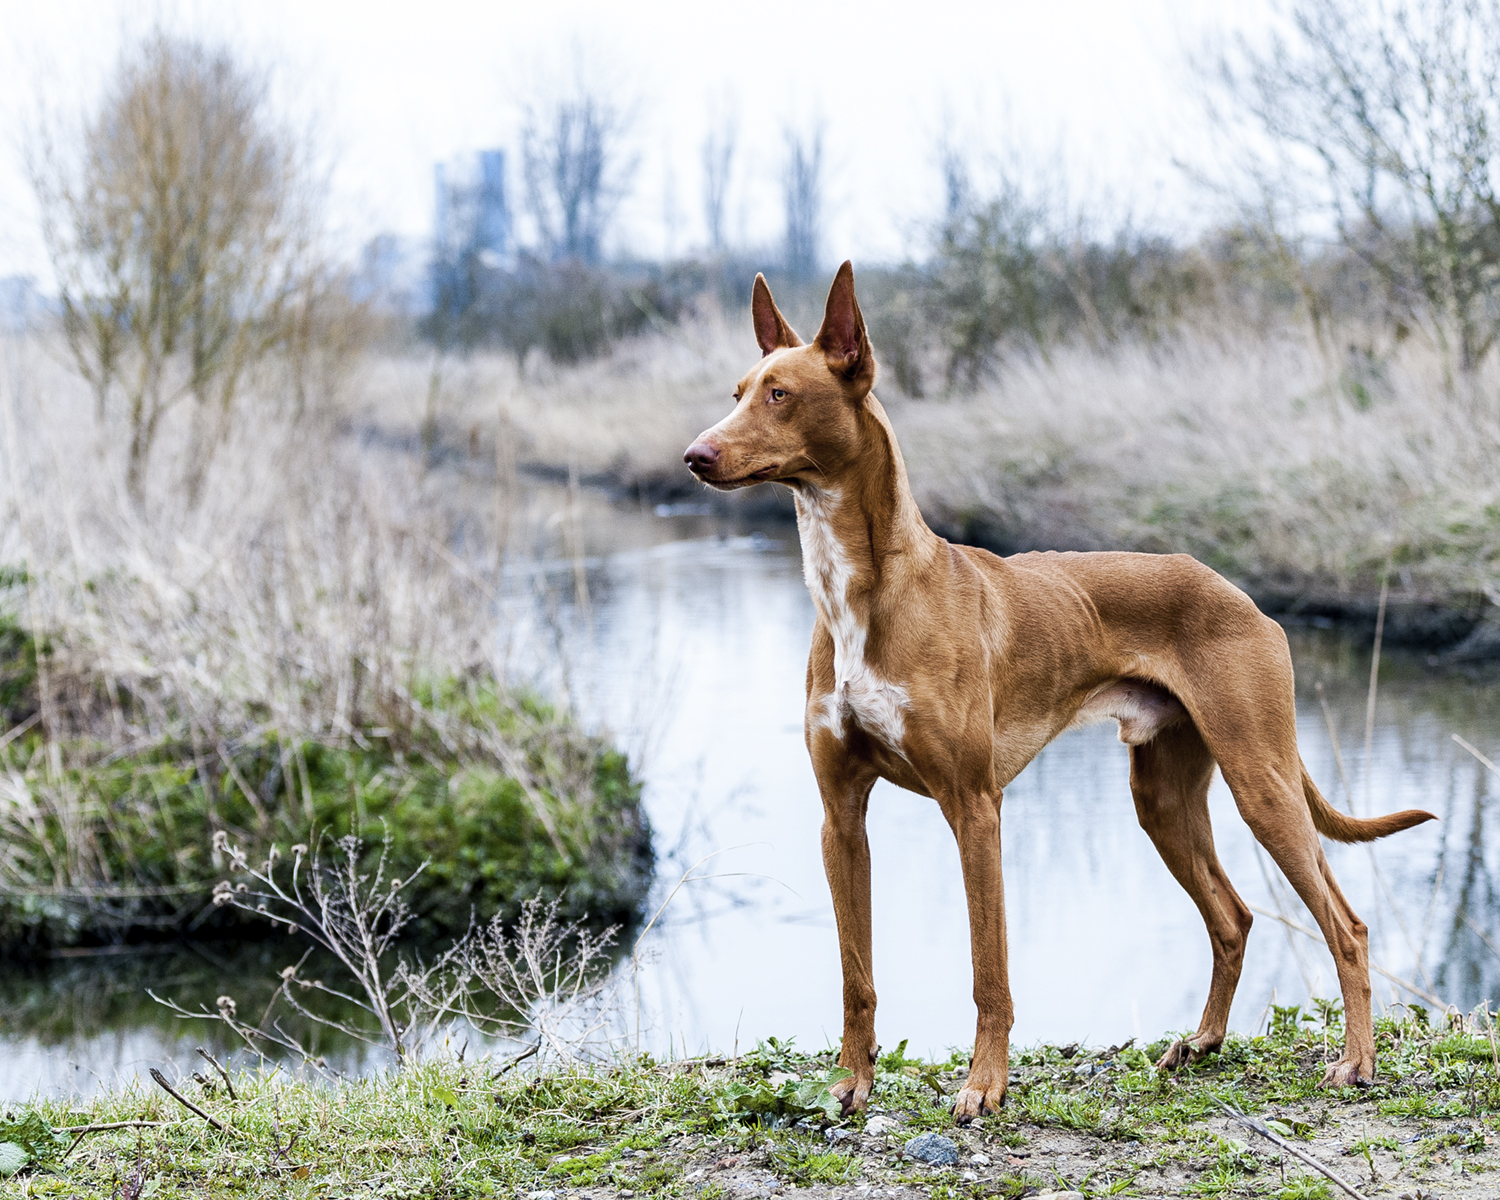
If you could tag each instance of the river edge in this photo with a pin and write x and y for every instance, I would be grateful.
(1093, 1122)
(1455, 631)
(487, 800)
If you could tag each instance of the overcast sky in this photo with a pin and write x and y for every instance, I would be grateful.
(1093, 90)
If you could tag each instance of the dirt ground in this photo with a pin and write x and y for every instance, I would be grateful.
(1406, 1158)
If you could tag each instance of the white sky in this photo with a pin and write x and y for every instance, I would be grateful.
(1097, 89)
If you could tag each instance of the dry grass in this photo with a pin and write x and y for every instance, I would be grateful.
(308, 591)
(321, 622)
(1285, 466)
(1251, 453)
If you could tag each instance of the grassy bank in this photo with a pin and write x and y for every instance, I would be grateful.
(290, 634)
(500, 798)
(1298, 470)
(1099, 1121)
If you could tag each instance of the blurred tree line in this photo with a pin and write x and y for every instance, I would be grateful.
(185, 228)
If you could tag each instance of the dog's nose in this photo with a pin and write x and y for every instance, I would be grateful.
(701, 456)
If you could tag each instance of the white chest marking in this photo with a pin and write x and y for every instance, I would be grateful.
(876, 705)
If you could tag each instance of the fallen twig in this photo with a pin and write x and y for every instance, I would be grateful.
(517, 1060)
(185, 1102)
(1260, 1128)
(214, 1063)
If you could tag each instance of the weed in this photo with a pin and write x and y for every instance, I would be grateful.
(804, 1161)
(1306, 1187)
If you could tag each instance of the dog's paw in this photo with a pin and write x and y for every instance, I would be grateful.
(977, 1102)
(853, 1093)
(1183, 1053)
(1347, 1073)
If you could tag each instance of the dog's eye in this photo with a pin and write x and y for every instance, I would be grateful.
(777, 394)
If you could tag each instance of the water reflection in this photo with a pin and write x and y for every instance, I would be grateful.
(86, 1022)
(685, 635)
(695, 652)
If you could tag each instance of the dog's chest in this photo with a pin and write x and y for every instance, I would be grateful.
(875, 704)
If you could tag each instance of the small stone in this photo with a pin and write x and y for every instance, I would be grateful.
(542, 1195)
(838, 1135)
(933, 1148)
(969, 1176)
(981, 1159)
(776, 1078)
(1059, 1196)
(881, 1125)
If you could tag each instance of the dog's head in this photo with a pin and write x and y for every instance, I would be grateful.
(796, 412)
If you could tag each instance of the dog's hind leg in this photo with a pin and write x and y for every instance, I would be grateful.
(1240, 692)
(1169, 778)
(1271, 800)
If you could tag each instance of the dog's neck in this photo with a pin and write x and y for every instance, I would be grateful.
(859, 523)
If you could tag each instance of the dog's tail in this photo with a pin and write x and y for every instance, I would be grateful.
(1334, 824)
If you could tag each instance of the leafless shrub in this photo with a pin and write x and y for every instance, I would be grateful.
(543, 980)
(718, 161)
(355, 917)
(181, 224)
(575, 163)
(1385, 118)
(802, 187)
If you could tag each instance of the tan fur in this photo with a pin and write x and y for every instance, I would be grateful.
(946, 669)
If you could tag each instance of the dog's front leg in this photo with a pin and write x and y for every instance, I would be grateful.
(976, 823)
(845, 785)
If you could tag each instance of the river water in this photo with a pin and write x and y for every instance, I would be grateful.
(684, 632)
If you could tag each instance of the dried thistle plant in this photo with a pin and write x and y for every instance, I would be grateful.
(542, 980)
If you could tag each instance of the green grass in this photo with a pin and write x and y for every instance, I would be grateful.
(503, 798)
(456, 1129)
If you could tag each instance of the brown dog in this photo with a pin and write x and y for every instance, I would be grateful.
(946, 669)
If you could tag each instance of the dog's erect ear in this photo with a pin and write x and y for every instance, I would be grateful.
(771, 329)
(843, 339)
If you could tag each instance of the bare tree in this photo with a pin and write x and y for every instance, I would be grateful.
(718, 162)
(1392, 110)
(802, 192)
(465, 253)
(576, 168)
(177, 227)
